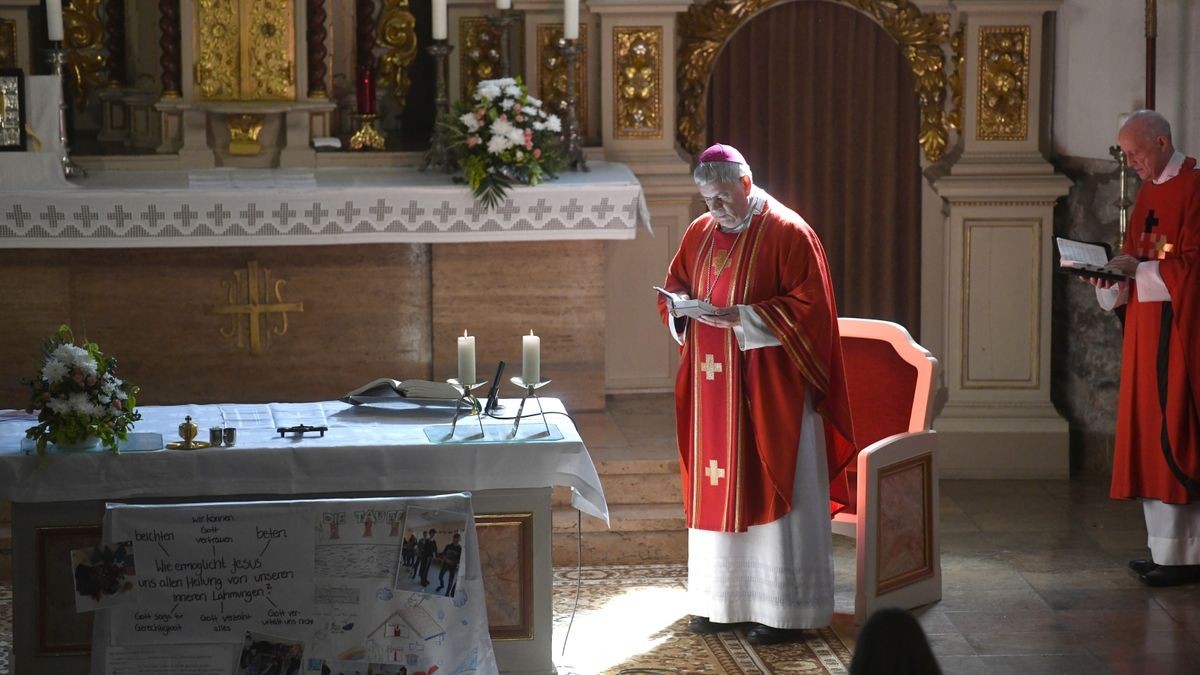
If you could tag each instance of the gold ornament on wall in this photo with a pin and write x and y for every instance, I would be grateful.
(480, 56)
(398, 37)
(262, 298)
(1003, 106)
(958, 47)
(552, 73)
(637, 75)
(245, 50)
(83, 40)
(243, 134)
(705, 28)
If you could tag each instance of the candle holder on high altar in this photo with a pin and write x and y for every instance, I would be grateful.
(1123, 202)
(57, 57)
(530, 389)
(503, 23)
(438, 157)
(572, 143)
(368, 136)
(469, 402)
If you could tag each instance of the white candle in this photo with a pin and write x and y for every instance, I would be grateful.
(439, 19)
(531, 358)
(571, 19)
(503, 4)
(54, 20)
(466, 359)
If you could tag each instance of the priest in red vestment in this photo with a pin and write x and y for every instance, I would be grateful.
(1156, 457)
(763, 419)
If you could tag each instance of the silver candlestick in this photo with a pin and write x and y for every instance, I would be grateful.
(503, 23)
(57, 56)
(570, 132)
(1123, 202)
(438, 158)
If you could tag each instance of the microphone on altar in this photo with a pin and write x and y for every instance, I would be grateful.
(493, 397)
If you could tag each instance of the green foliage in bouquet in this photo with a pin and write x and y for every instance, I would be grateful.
(502, 136)
(77, 395)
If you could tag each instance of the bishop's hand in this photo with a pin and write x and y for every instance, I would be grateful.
(726, 317)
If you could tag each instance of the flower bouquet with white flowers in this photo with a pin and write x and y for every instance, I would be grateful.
(78, 396)
(503, 136)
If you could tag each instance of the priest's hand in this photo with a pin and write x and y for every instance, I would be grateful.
(726, 317)
(1125, 264)
(671, 307)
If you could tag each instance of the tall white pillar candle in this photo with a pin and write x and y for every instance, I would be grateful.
(439, 19)
(571, 19)
(503, 4)
(466, 359)
(531, 358)
(54, 20)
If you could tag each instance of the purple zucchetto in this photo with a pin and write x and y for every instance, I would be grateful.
(721, 153)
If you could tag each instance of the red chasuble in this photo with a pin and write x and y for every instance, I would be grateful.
(1157, 452)
(738, 413)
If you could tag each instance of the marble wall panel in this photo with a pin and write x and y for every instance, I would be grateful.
(499, 292)
(366, 314)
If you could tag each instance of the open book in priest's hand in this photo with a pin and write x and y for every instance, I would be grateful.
(1086, 259)
(386, 389)
(678, 305)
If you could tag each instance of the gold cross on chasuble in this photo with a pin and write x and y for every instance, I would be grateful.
(714, 472)
(710, 367)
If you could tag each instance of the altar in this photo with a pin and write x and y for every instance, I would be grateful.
(365, 452)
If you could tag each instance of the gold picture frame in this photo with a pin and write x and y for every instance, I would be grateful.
(12, 110)
(61, 630)
(506, 560)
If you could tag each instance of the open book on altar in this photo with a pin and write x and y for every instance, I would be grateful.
(689, 307)
(1085, 259)
(386, 390)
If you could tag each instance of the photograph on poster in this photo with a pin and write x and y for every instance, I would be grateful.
(270, 655)
(435, 540)
(361, 542)
(105, 576)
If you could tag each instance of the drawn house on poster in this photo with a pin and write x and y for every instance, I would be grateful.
(408, 623)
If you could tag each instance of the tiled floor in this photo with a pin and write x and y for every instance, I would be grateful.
(1034, 572)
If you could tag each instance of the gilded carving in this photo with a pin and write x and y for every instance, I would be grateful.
(398, 36)
(637, 71)
(83, 38)
(8, 44)
(218, 50)
(958, 47)
(480, 57)
(552, 72)
(1003, 106)
(243, 134)
(254, 295)
(245, 50)
(704, 29)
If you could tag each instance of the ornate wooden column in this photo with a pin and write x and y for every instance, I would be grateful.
(168, 25)
(318, 54)
(998, 420)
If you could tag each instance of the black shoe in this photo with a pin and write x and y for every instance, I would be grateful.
(1171, 575)
(766, 635)
(1141, 566)
(701, 625)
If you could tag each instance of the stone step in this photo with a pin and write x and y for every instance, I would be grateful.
(643, 533)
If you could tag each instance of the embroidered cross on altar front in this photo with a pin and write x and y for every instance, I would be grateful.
(714, 472)
(710, 367)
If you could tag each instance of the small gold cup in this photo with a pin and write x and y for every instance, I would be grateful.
(187, 431)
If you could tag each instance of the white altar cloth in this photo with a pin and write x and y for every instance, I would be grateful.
(139, 209)
(366, 449)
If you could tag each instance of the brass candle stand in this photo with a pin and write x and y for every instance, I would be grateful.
(530, 389)
(438, 158)
(368, 136)
(469, 402)
(570, 132)
(1123, 202)
(503, 23)
(57, 57)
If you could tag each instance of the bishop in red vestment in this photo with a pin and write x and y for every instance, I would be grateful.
(752, 375)
(1157, 451)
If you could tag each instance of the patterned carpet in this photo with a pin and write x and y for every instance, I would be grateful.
(631, 620)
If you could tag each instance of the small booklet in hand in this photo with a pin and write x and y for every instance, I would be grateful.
(385, 389)
(1085, 259)
(688, 307)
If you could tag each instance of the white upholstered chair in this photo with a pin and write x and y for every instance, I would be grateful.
(894, 515)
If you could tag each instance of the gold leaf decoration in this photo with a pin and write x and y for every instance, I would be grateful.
(958, 46)
(83, 39)
(705, 28)
(398, 36)
(268, 39)
(1003, 113)
(480, 57)
(245, 50)
(218, 50)
(553, 73)
(637, 71)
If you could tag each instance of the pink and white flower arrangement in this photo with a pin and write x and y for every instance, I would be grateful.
(502, 136)
(77, 395)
